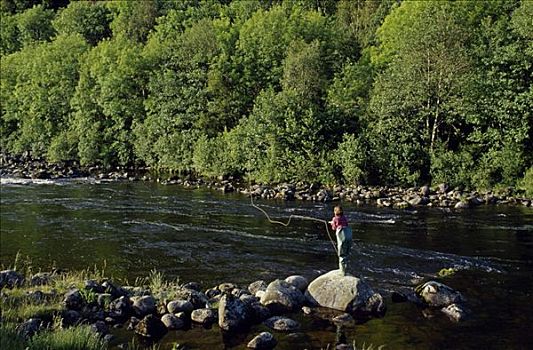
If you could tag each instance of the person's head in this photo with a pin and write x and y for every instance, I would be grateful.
(337, 210)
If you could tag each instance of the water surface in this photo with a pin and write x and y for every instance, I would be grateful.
(202, 235)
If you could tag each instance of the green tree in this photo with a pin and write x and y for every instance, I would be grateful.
(89, 19)
(9, 34)
(37, 83)
(109, 101)
(35, 25)
(501, 93)
(417, 97)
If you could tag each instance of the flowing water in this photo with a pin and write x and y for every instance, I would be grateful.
(204, 236)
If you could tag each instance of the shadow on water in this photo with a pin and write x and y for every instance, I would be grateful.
(204, 236)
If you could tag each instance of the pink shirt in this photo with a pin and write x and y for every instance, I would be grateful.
(339, 221)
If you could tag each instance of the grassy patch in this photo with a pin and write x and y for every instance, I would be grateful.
(76, 338)
(9, 339)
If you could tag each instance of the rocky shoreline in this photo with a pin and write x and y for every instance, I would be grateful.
(382, 196)
(152, 310)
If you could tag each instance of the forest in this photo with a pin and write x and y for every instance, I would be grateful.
(382, 92)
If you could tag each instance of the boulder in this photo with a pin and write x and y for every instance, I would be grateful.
(456, 312)
(462, 205)
(100, 327)
(263, 341)
(256, 286)
(93, 286)
(204, 316)
(197, 299)
(73, 300)
(172, 321)
(10, 279)
(41, 279)
(284, 324)
(259, 313)
(298, 282)
(120, 308)
(70, 318)
(439, 295)
(281, 297)
(345, 293)
(29, 328)
(176, 306)
(193, 285)
(151, 327)
(104, 299)
(232, 313)
(144, 305)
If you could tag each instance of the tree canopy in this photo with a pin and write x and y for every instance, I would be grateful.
(379, 92)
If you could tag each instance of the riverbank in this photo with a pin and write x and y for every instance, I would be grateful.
(85, 310)
(381, 196)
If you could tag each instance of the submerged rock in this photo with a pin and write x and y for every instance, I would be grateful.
(455, 312)
(263, 341)
(439, 295)
(172, 321)
(284, 324)
(345, 293)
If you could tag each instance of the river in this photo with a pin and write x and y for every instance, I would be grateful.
(132, 228)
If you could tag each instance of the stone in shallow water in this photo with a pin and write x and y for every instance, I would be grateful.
(436, 294)
(151, 327)
(204, 316)
(281, 297)
(455, 312)
(285, 324)
(345, 293)
(263, 341)
(172, 321)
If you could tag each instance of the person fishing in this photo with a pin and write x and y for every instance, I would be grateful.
(339, 224)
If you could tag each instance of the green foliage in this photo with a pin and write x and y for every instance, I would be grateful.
(381, 92)
(526, 183)
(37, 84)
(35, 25)
(9, 34)
(109, 99)
(351, 157)
(91, 20)
(75, 338)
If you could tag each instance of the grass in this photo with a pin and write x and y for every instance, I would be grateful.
(9, 339)
(75, 338)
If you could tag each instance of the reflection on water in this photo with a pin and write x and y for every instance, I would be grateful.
(211, 238)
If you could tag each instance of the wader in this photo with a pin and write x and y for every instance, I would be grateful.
(344, 245)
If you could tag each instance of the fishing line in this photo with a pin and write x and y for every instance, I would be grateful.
(291, 217)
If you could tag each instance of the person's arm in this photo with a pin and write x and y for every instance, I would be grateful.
(334, 223)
